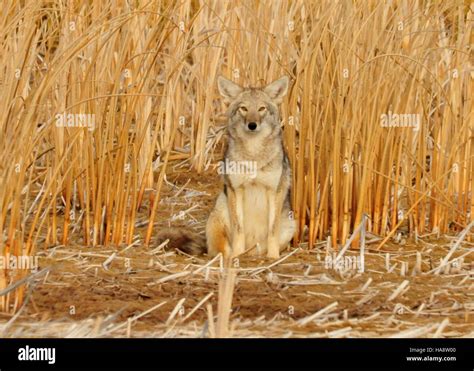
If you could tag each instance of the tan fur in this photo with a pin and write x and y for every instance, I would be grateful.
(253, 212)
(254, 209)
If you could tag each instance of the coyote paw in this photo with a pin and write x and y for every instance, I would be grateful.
(272, 255)
(273, 250)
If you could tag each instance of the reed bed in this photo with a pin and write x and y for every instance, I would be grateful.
(297, 296)
(97, 98)
(406, 289)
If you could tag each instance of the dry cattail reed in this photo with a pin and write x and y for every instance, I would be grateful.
(145, 74)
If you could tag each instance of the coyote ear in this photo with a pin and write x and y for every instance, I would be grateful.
(227, 88)
(277, 89)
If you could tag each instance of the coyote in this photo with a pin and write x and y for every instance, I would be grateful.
(253, 212)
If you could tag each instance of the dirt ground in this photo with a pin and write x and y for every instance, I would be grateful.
(136, 291)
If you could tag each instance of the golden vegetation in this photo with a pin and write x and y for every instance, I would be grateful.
(134, 85)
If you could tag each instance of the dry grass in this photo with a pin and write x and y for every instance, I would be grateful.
(147, 71)
(158, 293)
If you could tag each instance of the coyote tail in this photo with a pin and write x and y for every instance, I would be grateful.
(183, 239)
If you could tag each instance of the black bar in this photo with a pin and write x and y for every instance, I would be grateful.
(291, 354)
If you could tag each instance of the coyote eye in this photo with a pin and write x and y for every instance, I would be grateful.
(262, 109)
(243, 109)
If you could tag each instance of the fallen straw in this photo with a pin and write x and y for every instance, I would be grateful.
(23, 281)
(175, 311)
(319, 313)
(366, 284)
(198, 305)
(441, 327)
(159, 247)
(359, 228)
(170, 277)
(129, 321)
(106, 263)
(398, 290)
(445, 261)
(260, 270)
(208, 264)
(416, 332)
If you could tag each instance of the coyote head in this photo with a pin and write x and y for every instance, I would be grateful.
(253, 111)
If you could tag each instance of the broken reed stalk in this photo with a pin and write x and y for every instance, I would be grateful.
(146, 75)
(224, 303)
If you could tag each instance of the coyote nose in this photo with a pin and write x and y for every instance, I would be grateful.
(252, 126)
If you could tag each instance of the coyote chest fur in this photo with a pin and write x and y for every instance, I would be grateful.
(253, 211)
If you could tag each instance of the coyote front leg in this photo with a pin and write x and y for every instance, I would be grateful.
(275, 204)
(236, 212)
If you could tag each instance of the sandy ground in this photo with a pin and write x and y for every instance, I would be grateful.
(136, 291)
